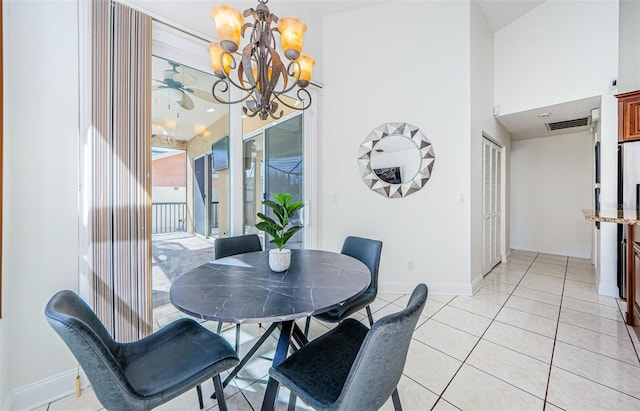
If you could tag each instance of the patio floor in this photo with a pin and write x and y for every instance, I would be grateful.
(173, 255)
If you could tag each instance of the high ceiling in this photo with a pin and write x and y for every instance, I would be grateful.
(499, 13)
(170, 119)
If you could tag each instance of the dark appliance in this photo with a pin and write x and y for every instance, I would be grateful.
(628, 199)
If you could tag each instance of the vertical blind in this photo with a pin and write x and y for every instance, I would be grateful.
(120, 137)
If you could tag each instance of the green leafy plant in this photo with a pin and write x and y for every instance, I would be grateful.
(284, 209)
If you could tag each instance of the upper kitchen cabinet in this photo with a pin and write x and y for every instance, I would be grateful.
(628, 116)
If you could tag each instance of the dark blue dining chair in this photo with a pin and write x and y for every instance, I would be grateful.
(368, 251)
(228, 246)
(353, 367)
(143, 374)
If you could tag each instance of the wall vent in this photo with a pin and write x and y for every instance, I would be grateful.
(576, 122)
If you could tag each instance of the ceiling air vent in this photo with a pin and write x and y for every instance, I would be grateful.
(576, 122)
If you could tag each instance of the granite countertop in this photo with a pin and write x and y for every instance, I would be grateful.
(630, 217)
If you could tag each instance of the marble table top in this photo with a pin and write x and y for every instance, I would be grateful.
(242, 288)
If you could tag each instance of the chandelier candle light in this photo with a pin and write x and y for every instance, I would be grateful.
(261, 73)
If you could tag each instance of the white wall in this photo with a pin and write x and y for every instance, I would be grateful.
(171, 194)
(5, 386)
(483, 122)
(560, 51)
(40, 197)
(607, 256)
(414, 69)
(552, 185)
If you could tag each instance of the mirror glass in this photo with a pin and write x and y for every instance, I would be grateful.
(396, 159)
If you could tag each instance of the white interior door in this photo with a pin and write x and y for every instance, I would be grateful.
(491, 211)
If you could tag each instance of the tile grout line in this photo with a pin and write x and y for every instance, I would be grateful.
(480, 338)
(586, 349)
(633, 344)
(555, 338)
(591, 330)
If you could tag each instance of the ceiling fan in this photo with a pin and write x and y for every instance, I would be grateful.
(177, 86)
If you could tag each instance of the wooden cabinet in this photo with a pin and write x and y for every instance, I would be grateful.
(629, 116)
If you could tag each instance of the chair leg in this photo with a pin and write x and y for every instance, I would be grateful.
(219, 327)
(395, 397)
(292, 402)
(369, 315)
(306, 326)
(217, 385)
(238, 338)
(199, 391)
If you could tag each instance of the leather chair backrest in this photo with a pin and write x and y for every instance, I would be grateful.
(380, 361)
(227, 246)
(368, 251)
(93, 347)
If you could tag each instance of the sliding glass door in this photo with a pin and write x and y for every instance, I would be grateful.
(274, 163)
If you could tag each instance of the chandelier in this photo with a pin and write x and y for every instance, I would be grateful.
(260, 71)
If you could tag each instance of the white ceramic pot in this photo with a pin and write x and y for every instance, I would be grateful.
(279, 261)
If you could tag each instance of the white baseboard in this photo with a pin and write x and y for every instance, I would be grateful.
(584, 254)
(477, 283)
(395, 287)
(44, 391)
(609, 290)
(507, 257)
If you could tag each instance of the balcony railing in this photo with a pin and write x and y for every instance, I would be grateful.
(173, 218)
(214, 218)
(169, 217)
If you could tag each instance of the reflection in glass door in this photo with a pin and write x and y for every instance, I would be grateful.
(274, 163)
(219, 210)
(253, 153)
(200, 196)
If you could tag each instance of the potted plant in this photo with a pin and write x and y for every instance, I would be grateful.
(280, 231)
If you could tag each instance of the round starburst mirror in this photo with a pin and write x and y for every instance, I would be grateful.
(396, 160)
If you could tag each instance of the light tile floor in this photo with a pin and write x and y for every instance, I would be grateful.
(536, 336)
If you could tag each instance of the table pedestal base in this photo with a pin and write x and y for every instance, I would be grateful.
(288, 329)
(282, 348)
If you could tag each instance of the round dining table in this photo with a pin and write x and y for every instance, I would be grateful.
(243, 289)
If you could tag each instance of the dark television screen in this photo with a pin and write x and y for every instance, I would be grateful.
(220, 154)
(389, 174)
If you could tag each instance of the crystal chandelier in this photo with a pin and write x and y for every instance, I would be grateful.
(261, 72)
